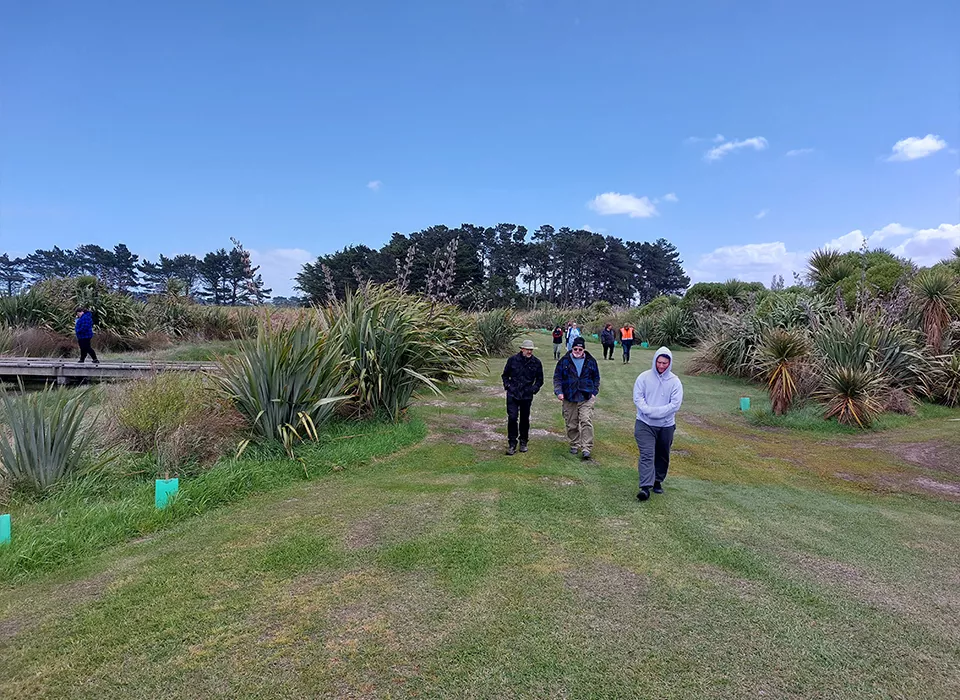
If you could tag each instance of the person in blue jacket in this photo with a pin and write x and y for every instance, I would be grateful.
(657, 394)
(84, 331)
(576, 382)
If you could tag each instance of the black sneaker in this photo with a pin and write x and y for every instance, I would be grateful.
(585, 456)
(657, 487)
(512, 450)
(573, 450)
(644, 494)
(523, 447)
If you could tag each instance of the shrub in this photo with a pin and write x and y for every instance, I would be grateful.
(657, 305)
(286, 379)
(781, 354)
(851, 395)
(396, 344)
(45, 438)
(937, 297)
(41, 342)
(944, 379)
(497, 330)
(176, 416)
(675, 328)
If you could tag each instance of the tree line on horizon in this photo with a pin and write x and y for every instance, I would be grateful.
(480, 267)
(221, 277)
(502, 266)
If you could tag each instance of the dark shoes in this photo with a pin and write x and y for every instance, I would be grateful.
(644, 494)
(657, 487)
(512, 450)
(585, 456)
(523, 447)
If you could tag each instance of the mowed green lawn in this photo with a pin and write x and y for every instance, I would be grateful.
(778, 564)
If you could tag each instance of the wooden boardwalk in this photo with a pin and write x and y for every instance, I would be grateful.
(69, 371)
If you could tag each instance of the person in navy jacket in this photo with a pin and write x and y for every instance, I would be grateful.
(84, 330)
(576, 382)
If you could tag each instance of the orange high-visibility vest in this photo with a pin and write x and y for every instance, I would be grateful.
(626, 334)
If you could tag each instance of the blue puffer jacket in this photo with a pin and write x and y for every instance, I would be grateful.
(573, 387)
(84, 326)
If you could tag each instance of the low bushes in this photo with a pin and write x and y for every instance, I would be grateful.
(45, 436)
(178, 417)
(497, 331)
(395, 344)
(286, 380)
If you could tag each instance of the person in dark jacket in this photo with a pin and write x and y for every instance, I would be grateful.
(576, 382)
(84, 331)
(522, 378)
(558, 342)
(608, 338)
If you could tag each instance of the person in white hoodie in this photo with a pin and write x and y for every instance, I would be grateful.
(657, 394)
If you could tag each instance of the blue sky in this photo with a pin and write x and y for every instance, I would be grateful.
(302, 127)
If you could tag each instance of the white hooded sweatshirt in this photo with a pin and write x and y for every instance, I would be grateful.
(658, 396)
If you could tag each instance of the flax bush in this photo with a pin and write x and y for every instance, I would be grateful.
(43, 436)
(397, 344)
(287, 380)
(497, 330)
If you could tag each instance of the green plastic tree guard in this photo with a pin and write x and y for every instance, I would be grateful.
(165, 490)
(745, 403)
(644, 344)
(4, 529)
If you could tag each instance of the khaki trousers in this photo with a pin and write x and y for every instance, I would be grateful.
(579, 420)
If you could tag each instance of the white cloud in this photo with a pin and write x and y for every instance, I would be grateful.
(671, 197)
(616, 203)
(758, 143)
(761, 214)
(888, 231)
(374, 185)
(754, 262)
(931, 245)
(279, 267)
(915, 147)
(588, 227)
(759, 262)
(957, 173)
(798, 152)
(847, 243)
(719, 138)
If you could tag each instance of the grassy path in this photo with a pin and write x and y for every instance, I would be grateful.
(777, 565)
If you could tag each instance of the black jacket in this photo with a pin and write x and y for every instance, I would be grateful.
(522, 377)
(574, 387)
(608, 337)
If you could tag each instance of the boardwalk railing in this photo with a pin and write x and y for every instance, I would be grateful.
(65, 371)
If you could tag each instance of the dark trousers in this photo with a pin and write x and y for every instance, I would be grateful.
(85, 349)
(627, 344)
(606, 349)
(518, 419)
(654, 445)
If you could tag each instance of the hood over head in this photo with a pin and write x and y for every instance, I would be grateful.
(663, 350)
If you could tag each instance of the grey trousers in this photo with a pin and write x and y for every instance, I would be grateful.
(654, 445)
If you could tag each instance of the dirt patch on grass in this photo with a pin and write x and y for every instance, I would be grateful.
(438, 403)
(740, 587)
(559, 481)
(893, 482)
(366, 532)
(933, 455)
(606, 584)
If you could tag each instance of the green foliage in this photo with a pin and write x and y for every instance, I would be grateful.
(48, 439)
(675, 328)
(944, 379)
(657, 306)
(722, 296)
(781, 353)
(852, 395)
(175, 416)
(287, 379)
(936, 298)
(497, 329)
(396, 344)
